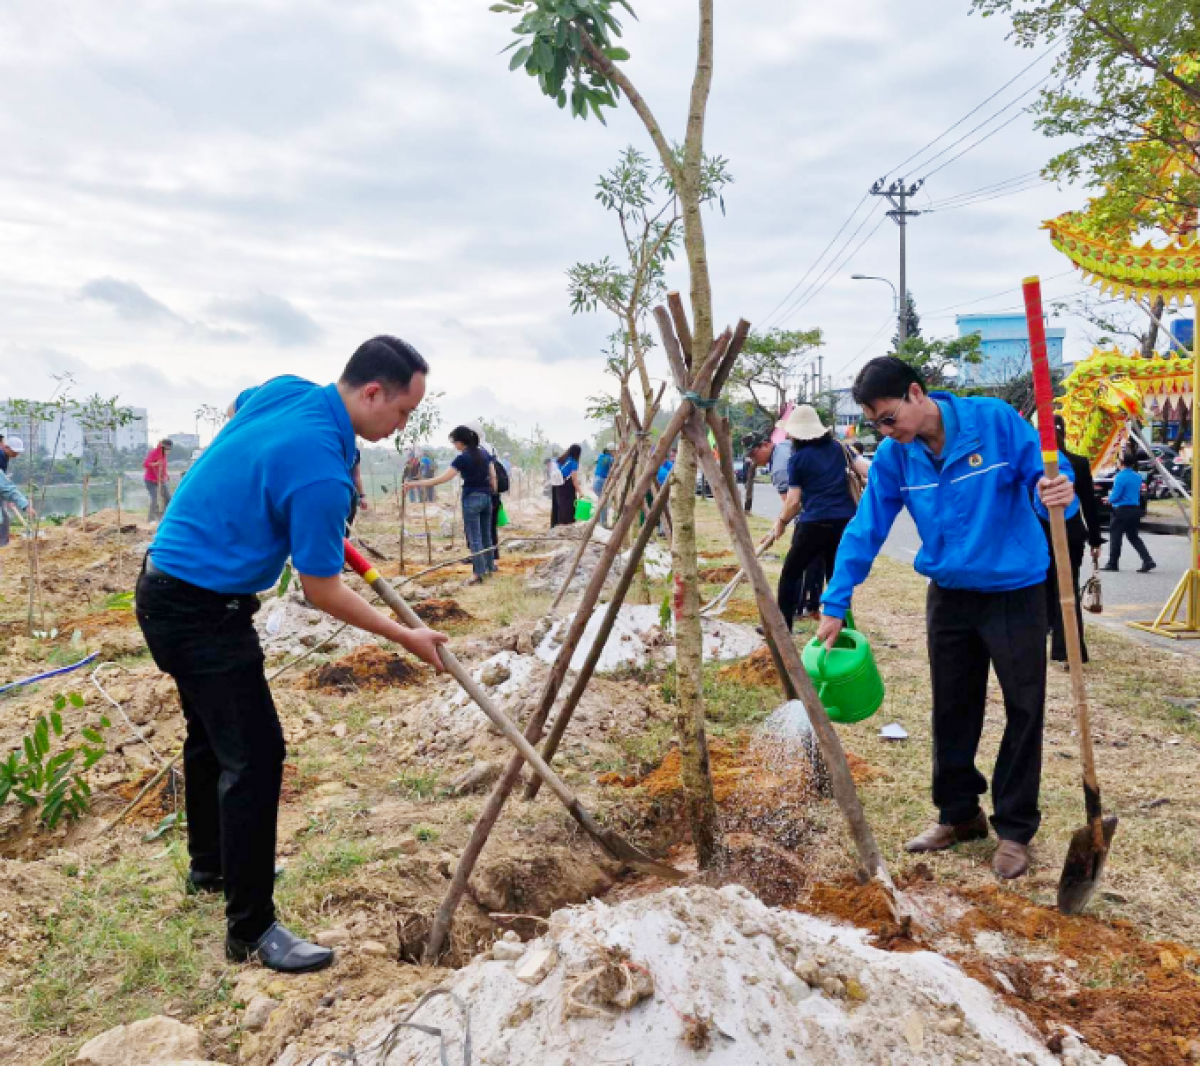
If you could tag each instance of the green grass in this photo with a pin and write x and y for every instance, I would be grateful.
(418, 785)
(125, 943)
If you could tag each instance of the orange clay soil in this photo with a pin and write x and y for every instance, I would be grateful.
(719, 575)
(756, 669)
(1126, 996)
(367, 668)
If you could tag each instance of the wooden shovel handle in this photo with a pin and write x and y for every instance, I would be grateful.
(1043, 390)
(408, 616)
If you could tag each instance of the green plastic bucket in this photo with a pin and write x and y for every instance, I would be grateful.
(583, 509)
(501, 517)
(846, 677)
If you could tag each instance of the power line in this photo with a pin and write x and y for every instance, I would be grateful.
(970, 147)
(824, 270)
(985, 199)
(991, 295)
(975, 129)
(1016, 77)
(832, 270)
(997, 186)
(818, 259)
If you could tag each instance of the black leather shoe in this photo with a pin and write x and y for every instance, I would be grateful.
(200, 882)
(1145, 568)
(1110, 568)
(281, 950)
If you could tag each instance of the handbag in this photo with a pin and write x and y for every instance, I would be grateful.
(855, 482)
(1091, 597)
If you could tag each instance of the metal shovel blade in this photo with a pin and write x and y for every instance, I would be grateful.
(1084, 865)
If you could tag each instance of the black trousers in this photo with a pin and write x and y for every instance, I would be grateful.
(1126, 525)
(810, 540)
(1076, 544)
(968, 632)
(234, 751)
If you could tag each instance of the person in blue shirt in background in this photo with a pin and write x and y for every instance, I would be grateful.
(965, 469)
(1125, 499)
(275, 483)
(564, 495)
(9, 493)
(604, 462)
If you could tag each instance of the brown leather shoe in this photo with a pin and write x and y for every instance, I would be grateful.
(1011, 860)
(940, 837)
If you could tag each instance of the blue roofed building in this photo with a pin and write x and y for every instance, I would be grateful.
(1005, 347)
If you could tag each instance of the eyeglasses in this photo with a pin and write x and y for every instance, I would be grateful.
(884, 421)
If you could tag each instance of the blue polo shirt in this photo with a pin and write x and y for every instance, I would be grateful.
(1126, 490)
(276, 482)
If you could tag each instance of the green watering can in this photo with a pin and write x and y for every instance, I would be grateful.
(846, 677)
(583, 509)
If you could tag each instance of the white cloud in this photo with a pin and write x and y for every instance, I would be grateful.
(200, 194)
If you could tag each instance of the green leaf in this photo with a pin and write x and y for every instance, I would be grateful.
(519, 57)
(105, 722)
(41, 736)
(76, 699)
(617, 55)
(60, 701)
(90, 734)
(505, 9)
(31, 755)
(56, 722)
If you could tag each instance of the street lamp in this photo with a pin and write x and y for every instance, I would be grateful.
(900, 323)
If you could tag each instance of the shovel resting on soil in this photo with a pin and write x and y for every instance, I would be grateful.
(1088, 851)
(619, 848)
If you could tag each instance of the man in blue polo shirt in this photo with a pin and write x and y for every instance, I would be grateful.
(275, 483)
(966, 469)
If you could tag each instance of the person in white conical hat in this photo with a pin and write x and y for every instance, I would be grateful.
(819, 492)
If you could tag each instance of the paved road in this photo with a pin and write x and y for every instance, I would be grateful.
(1128, 595)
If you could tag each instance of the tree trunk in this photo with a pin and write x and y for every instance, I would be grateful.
(695, 775)
(751, 470)
(1150, 337)
(403, 509)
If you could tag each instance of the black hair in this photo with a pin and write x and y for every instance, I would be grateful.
(387, 360)
(885, 378)
(824, 438)
(573, 452)
(466, 435)
(1129, 459)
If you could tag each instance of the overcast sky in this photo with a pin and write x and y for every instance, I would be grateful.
(197, 195)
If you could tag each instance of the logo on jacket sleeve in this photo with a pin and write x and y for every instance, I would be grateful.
(976, 460)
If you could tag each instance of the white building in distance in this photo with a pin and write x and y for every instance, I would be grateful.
(65, 436)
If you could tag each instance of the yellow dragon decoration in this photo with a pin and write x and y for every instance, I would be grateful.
(1108, 388)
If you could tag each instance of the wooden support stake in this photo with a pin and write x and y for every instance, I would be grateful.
(773, 622)
(533, 731)
(606, 627)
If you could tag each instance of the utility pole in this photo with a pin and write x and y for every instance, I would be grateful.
(897, 195)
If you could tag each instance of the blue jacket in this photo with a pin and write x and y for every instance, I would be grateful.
(1126, 490)
(978, 530)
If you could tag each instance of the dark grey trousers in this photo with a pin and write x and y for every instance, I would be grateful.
(968, 632)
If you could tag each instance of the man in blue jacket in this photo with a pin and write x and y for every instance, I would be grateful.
(1125, 499)
(275, 483)
(966, 470)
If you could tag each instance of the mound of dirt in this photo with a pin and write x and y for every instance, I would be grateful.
(370, 668)
(719, 575)
(757, 669)
(436, 612)
(693, 972)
